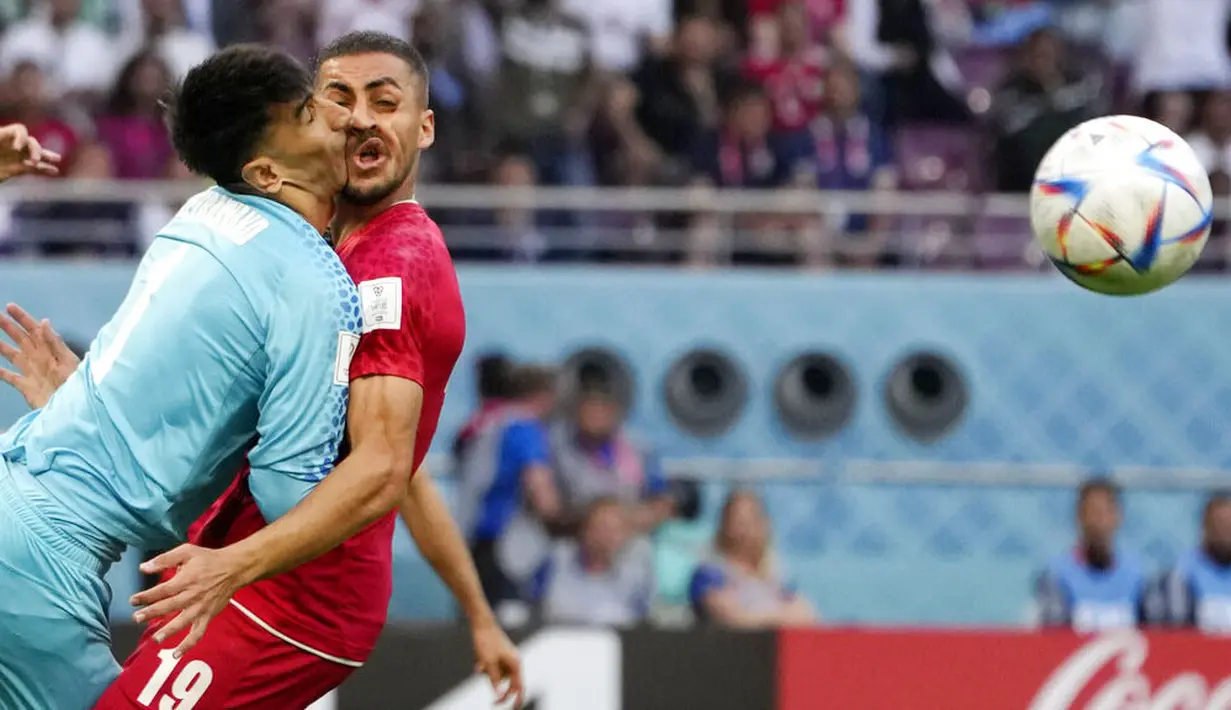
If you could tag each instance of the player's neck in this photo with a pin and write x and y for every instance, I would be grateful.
(317, 211)
(351, 217)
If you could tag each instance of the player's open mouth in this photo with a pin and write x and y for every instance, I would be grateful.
(370, 154)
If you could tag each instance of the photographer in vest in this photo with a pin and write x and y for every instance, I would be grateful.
(1197, 593)
(596, 458)
(1097, 586)
(507, 493)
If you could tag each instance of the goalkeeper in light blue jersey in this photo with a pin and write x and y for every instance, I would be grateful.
(236, 334)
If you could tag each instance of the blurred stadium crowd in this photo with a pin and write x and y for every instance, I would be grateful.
(813, 95)
(574, 544)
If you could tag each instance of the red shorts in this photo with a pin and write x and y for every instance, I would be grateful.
(237, 666)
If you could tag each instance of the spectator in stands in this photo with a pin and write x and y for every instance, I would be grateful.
(337, 17)
(1098, 585)
(31, 103)
(164, 30)
(744, 153)
(793, 72)
(508, 494)
(604, 577)
(449, 97)
(622, 152)
(546, 94)
(1172, 49)
(132, 126)
(1174, 109)
(76, 57)
(850, 151)
(1211, 141)
(1197, 593)
(741, 586)
(819, 19)
(1038, 103)
(624, 31)
(595, 458)
(906, 43)
(680, 94)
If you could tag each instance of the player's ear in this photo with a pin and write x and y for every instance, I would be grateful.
(427, 129)
(262, 174)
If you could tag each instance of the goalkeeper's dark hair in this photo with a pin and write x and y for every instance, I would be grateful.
(371, 42)
(223, 109)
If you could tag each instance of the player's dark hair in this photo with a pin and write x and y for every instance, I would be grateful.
(1099, 484)
(371, 42)
(222, 111)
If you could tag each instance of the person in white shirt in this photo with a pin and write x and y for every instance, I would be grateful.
(622, 30)
(75, 56)
(337, 17)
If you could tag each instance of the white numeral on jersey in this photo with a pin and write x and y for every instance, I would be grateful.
(159, 272)
(186, 690)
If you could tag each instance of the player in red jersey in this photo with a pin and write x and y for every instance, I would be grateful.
(285, 641)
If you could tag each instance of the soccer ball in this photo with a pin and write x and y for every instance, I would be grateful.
(1121, 205)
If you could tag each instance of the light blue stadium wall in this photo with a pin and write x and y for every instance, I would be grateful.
(1057, 376)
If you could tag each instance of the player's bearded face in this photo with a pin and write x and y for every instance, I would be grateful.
(389, 124)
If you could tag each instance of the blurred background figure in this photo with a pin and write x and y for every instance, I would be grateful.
(162, 27)
(596, 458)
(605, 577)
(1197, 593)
(131, 127)
(508, 492)
(1039, 102)
(1099, 585)
(741, 586)
(76, 57)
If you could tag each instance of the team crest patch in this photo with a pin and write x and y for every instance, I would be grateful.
(382, 304)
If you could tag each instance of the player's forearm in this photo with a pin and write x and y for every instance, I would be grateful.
(363, 488)
(441, 543)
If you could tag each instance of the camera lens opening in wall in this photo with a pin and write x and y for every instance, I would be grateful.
(598, 368)
(815, 396)
(705, 392)
(926, 396)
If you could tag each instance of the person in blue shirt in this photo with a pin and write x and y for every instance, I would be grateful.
(1197, 592)
(508, 492)
(1098, 585)
(237, 329)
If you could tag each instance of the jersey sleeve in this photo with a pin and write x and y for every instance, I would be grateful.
(313, 333)
(390, 345)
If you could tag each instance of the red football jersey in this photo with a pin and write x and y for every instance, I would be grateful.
(414, 327)
(795, 86)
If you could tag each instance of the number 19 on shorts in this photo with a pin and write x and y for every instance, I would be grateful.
(186, 689)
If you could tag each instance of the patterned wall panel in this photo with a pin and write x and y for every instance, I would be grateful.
(1057, 377)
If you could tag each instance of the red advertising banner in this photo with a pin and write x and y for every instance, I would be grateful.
(992, 670)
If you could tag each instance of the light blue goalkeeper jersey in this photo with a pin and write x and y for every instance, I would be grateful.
(237, 330)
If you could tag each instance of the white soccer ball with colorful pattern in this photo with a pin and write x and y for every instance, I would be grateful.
(1121, 205)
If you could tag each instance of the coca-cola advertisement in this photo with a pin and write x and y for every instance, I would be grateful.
(1005, 670)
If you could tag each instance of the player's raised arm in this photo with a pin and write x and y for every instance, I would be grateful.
(21, 154)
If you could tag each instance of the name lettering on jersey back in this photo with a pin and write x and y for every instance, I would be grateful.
(228, 217)
(382, 304)
(347, 344)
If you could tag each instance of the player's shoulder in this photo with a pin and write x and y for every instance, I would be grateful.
(403, 237)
